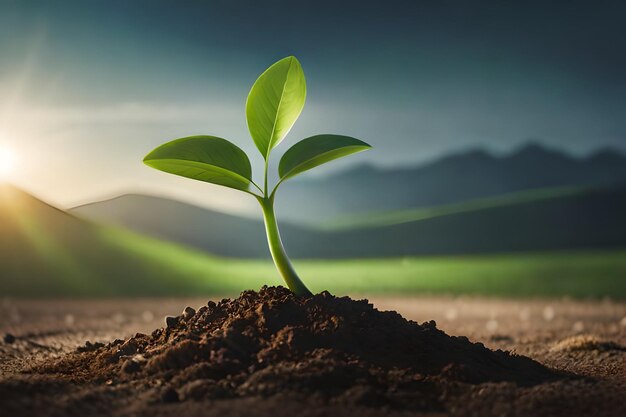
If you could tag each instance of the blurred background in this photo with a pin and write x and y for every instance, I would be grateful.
(498, 168)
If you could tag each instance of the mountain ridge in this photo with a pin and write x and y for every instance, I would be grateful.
(457, 177)
(450, 185)
(527, 148)
(558, 219)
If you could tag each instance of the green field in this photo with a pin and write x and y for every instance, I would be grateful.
(46, 252)
(391, 218)
(578, 274)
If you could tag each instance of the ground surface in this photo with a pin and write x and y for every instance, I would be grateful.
(585, 338)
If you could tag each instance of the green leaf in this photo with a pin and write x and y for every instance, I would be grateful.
(317, 150)
(204, 158)
(274, 103)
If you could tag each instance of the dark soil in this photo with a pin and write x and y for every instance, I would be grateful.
(338, 355)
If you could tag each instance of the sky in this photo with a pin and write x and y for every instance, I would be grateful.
(87, 88)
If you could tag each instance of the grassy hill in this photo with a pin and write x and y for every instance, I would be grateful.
(566, 220)
(530, 221)
(47, 252)
(211, 231)
(397, 217)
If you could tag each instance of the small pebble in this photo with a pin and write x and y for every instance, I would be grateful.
(524, 314)
(130, 366)
(147, 316)
(578, 326)
(188, 312)
(623, 322)
(69, 319)
(171, 321)
(548, 313)
(492, 325)
(9, 338)
(133, 364)
(14, 315)
(119, 318)
(452, 314)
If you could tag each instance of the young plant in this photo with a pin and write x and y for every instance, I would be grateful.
(274, 103)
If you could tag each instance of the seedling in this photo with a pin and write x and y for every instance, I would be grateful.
(273, 106)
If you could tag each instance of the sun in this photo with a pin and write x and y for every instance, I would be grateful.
(8, 161)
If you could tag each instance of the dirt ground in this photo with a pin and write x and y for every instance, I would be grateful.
(586, 338)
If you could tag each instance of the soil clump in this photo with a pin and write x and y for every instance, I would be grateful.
(270, 343)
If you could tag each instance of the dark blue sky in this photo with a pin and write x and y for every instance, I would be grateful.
(416, 79)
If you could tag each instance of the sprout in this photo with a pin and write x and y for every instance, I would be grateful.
(273, 106)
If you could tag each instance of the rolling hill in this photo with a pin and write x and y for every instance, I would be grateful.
(583, 219)
(45, 252)
(213, 231)
(541, 220)
(452, 179)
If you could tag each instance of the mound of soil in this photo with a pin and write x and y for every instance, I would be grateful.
(267, 343)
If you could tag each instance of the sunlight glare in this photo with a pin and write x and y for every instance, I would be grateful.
(7, 162)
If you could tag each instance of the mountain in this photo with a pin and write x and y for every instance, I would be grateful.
(551, 219)
(471, 202)
(531, 222)
(452, 179)
(213, 231)
(45, 251)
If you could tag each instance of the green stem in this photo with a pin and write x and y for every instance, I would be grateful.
(265, 179)
(278, 252)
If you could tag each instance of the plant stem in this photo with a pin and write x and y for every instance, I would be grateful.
(278, 252)
(265, 188)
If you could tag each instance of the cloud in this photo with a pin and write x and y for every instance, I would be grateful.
(128, 112)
